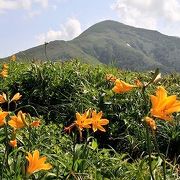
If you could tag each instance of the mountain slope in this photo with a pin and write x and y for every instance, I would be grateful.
(110, 41)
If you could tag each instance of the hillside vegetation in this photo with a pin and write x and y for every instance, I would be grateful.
(52, 95)
(111, 42)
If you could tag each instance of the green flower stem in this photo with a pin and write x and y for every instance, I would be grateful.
(159, 153)
(147, 134)
(30, 131)
(29, 138)
(74, 144)
(7, 146)
(149, 152)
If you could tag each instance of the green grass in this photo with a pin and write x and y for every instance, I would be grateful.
(56, 91)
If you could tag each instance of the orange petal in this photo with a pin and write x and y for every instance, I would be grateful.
(170, 101)
(16, 97)
(35, 123)
(13, 143)
(104, 121)
(161, 93)
(173, 109)
(99, 115)
(154, 101)
(94, 128)
(150, 122)
(101, 128)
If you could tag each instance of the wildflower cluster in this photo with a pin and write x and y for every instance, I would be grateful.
(4, 72)
(16, 123)
(162, 107)
(89, 120)
(20, 129)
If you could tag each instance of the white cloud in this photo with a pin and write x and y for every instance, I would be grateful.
(67, 31)
(16, 4)
(172, 10)
(21, 4)
(7, 5)
(33, 7)
(151, 14)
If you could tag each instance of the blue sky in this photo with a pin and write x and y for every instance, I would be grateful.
(28, 23)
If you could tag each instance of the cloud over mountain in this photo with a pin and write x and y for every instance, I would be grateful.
(151, 14)
(67, 31)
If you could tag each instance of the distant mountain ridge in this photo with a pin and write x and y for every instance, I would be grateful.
(110, 41)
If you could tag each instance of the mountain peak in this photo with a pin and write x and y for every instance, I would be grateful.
(110, 41)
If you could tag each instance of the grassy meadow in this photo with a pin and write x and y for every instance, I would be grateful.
(70, 120)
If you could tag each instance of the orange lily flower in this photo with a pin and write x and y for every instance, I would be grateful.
(82, 121)
(13, 143)
(150, 122)
(3, 115)
(110, 77)
(3, 98)
(163, 106)
(18, 121)
(13, 58)
(122, 87)
(5, 66)
(36, 123)
(4, 73)
(97, 122)
(36, 163)
(16, 97)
